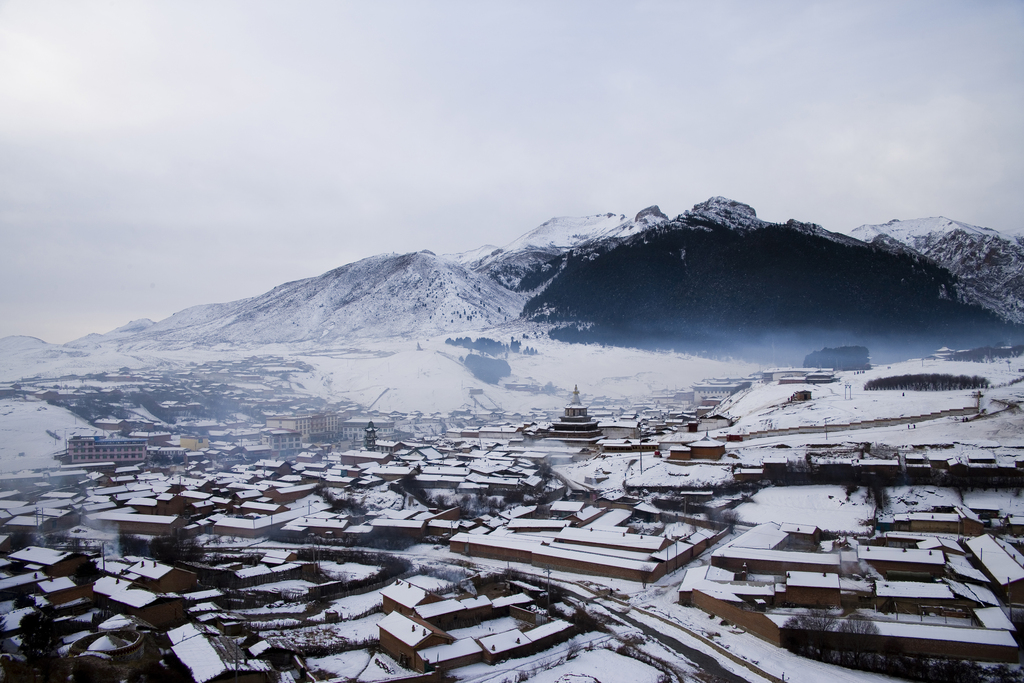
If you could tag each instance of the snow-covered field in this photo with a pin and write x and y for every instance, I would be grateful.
(347, 571)
(828, 507)
(395, 375)
(764, 406)
(346, 665)
(903, 499)
(23, 429)
(596, 666)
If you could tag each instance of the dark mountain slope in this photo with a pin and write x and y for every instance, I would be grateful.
(718, 273)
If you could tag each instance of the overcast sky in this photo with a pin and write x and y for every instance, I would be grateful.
(155, 156)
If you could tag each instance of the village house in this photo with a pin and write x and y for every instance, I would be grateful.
(85, 449)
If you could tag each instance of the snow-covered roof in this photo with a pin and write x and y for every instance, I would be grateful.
(517, 599)
(768, 536)
(622, 539)
(548, 629)
(134, 597)
(869, 553)
(998, 562)
(565, 551)
(974, 592)
(994, 617)
(913, 589)
(435, 609)
(567, 506)
(108, 643)
(36, 555)
(404, 593)
(150, 569)
(109, 585)
(58, 584)
(444, 653)
(824, 560)
(964, 569)
(812, 579)
(504, 641)
(207, 658)
(404, 629)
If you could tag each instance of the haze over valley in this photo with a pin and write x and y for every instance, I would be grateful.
(576, 342)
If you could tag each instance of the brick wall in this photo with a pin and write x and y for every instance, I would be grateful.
(752, 622)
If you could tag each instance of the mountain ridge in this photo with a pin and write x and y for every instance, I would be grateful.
(989, 264)
(421, 294)
(717, 272)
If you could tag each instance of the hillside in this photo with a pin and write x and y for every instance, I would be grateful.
(989, 264)
(391, 295)
(718, 275)
(527, 255)
(715, 279)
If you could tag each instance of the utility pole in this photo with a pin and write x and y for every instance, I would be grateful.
(548, 570)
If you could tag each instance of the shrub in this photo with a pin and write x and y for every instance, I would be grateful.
(927, 382)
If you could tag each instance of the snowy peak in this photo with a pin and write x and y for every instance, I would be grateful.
(989, 264)
(650, 217)
(125, 331)
(568, 232)
(389, 295)
(474, 255)
(530, 253)
(734, 215)
(133, 326)
(915, 233)
(727, 212)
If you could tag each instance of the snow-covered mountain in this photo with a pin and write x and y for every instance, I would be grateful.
(528, 254)
(422, 295)
(717, 276)
(729, 213)
(989, 264)
(917, 232)
(390, 295)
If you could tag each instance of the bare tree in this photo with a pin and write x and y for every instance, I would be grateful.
(852, 636)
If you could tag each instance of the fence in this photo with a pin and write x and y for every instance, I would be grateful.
(864, 424)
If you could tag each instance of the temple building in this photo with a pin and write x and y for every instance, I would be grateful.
(576, 428)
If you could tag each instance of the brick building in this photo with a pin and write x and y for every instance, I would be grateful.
(86, 449)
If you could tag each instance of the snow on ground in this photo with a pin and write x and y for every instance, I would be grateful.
(393, 374)
(383, 668)
(356, 604)
(824, 506)
(347, 571)
(429, 583)
(291, 586)
(23, 426)
(773, 660)
(764, 406)
(903, 499)
(291, 608)
(1008, 501)
(600, 664)
(328, 634)
(540, 665)
(400, 377)
(345, 665)
(609, 472)
(658, 472)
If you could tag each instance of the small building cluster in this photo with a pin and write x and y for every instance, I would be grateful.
(918, 594)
